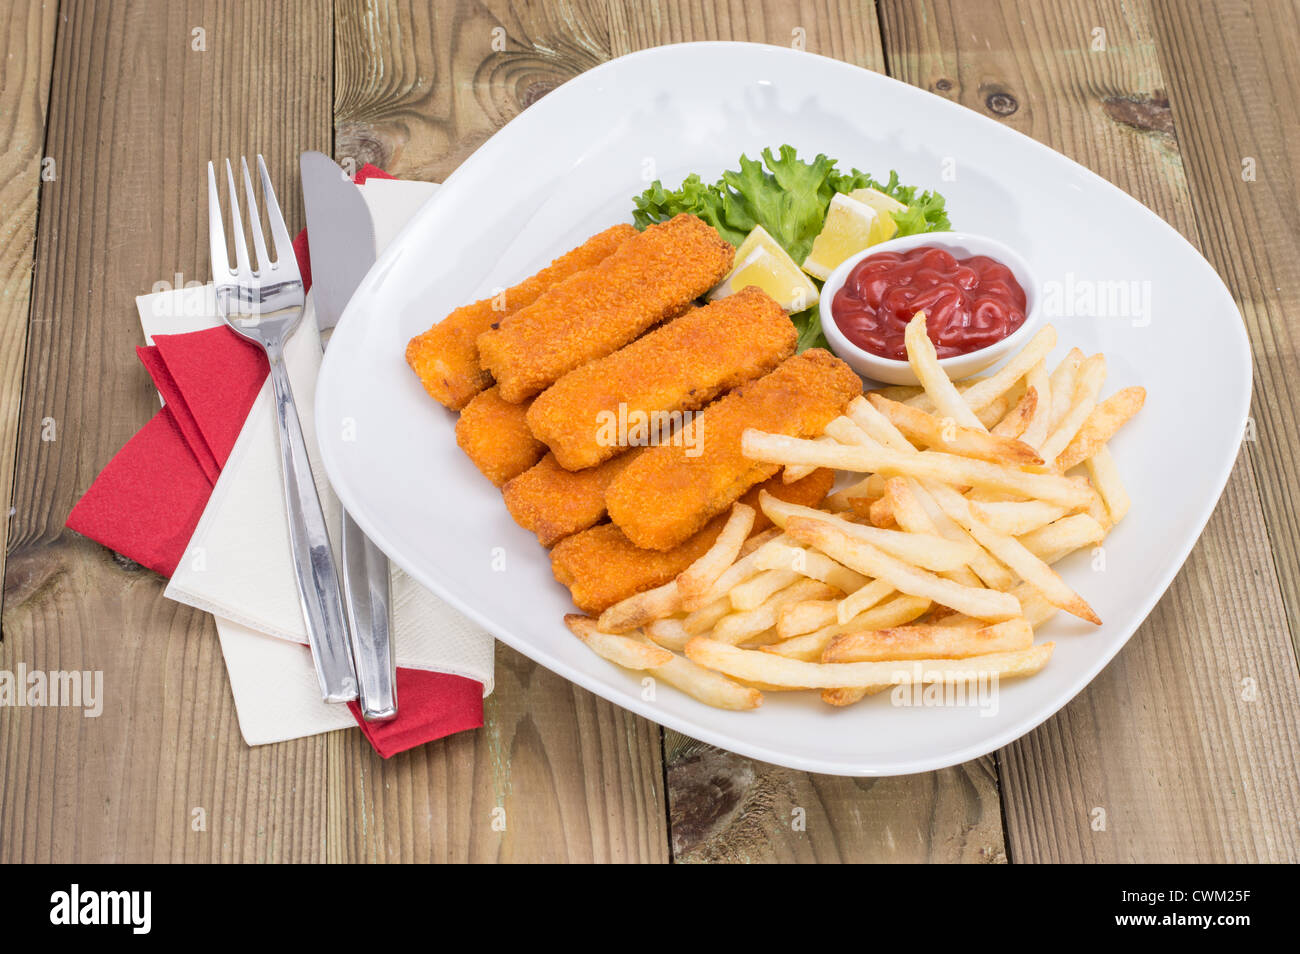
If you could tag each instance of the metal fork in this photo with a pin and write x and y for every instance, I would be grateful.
(264, 305)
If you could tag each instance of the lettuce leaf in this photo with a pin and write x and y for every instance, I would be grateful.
(789, 198)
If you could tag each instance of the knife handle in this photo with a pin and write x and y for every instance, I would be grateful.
(366, 592)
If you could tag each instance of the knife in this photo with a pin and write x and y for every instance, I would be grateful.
(341, 236)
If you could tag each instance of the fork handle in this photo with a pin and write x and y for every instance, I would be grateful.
(313, 560)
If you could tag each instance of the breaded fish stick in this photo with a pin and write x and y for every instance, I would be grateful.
(666, 495)
(650, 277)
(587, 415)
(446, 356)
(601, 566)
(554, 503)
(495, 436)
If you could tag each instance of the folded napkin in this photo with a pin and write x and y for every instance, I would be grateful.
(214, 444)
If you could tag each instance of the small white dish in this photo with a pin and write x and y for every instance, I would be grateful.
(959, 245)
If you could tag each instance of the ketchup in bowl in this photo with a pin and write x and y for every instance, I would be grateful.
(969, 303)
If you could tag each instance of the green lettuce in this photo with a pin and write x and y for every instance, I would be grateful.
(789, 198)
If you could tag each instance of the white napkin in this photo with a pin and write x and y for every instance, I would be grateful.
(239, 566)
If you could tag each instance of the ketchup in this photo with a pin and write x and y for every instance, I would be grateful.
(969, 303)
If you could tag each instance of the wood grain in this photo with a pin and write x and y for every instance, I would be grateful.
(572, 777)
(845, 31)
(555, 775)
(1236, 93)
(1162, 742)
(728, 808)
(133, 112)
(28, 27)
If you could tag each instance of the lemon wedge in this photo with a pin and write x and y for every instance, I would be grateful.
(885, 206)
(850, 227)
(761, 261)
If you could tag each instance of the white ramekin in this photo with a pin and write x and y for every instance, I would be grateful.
(960, 245)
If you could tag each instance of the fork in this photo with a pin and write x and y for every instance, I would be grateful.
(264, 305)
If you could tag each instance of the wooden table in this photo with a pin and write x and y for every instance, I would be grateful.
(1184, 749)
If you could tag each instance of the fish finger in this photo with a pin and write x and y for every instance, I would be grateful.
(672, 490)
(587, 416)
(446, 356)
(495, 436)
(555, 503)
(652, 276)
(601, 566)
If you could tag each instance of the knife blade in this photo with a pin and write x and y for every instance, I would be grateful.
(341, 237)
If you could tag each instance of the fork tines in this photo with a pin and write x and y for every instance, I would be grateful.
(284, 267)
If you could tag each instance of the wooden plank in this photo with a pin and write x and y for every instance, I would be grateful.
(134, 109)
(28, 28)
(1232, 71)
(572, 777)
(724, 807)
(728, 808)
(844, 30)
(1163, 743)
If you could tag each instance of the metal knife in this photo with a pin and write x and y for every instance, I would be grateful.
(341, 236)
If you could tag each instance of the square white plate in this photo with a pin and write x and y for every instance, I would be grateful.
(570, 165)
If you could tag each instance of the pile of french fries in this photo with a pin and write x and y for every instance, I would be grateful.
(934, 566)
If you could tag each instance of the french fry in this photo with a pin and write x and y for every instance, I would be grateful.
(1102, 424)
(790, 475)
(1035, 431)
(698, 578)
(1018, 418)
(845, 697)
(862, 599)
(642, 608)
(929, 466)
(1105, 476)
(929, 551)
(880, 513)
(998, 409)
(993, 573)
(812, 564)
(925, 365)
(897, 611)
(865, 414)
(738, 627)
(983, 393)
(1091, 376)
(781, 671)
(795, 619)
(669, 633)
(625, 651)
(710, 687)
(1062, 383)
(904, 497)
(1017, 517)
(1063, 536)
(741, 570)
(756, 591)
(706, 617)
(931, 641)
(1017, 556)
(918, 426)
(906, 578)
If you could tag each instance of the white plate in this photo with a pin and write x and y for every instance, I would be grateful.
(570, 165)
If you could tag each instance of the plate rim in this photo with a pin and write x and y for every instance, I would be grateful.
(1240, 402)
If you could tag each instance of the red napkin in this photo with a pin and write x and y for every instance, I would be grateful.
(147, 502)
